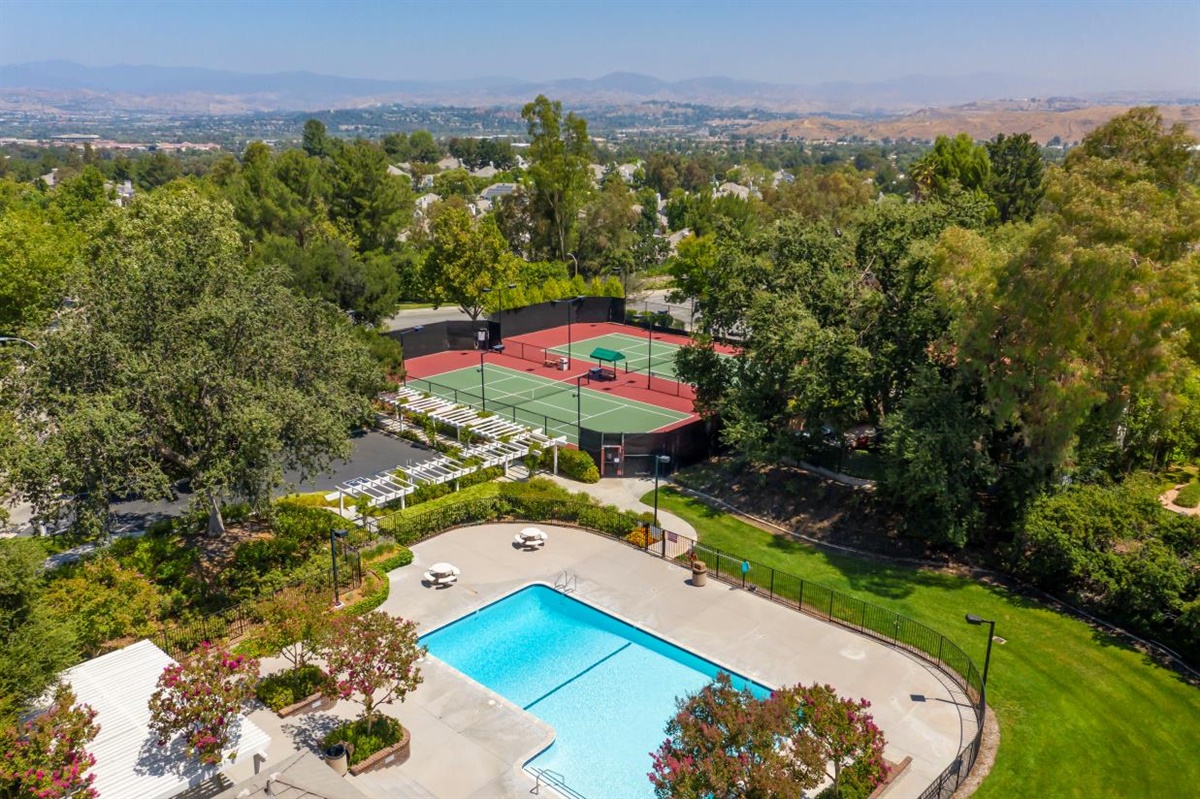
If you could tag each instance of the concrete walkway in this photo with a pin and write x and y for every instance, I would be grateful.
(626, 493)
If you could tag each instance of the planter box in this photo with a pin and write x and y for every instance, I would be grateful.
(307, 705)
(393, 755)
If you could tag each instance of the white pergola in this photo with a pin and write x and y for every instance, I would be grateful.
(504, 442)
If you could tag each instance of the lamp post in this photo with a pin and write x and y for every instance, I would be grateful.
(333, 536)
(570, 302)
(987, 660)
(657, 460)
(414, 329)
(578, 408)
(482, 380)
(575, 261)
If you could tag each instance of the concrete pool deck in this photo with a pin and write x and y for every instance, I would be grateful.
(469, 742)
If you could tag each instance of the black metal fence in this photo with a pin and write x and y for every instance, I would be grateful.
(555, 313)
(231, 624)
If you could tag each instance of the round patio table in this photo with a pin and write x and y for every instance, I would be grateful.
(443, 569)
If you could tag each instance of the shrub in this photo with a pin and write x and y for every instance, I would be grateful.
(641, 537)
(284, 688)
(363, 743)
(573, 463)
(1188, 496)
(402, 558)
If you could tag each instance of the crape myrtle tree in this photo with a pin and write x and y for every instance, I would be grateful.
(181, 361)
(46, 757)
(372, 661)
(726, 744)
(201, 700)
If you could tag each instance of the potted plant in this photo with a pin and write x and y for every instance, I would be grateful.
(699, 573)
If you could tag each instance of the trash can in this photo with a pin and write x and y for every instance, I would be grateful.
(337, 758)
(699, 573)
(564, 363)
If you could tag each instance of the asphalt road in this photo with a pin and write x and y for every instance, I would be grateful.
(373, 452)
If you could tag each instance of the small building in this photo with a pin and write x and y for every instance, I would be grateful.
(488, 172)
(497, 190)
(397, 172)
(425, 201)
(728, 189)
(449, 162)
(129, 762)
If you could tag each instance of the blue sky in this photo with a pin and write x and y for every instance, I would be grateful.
(1085, 45)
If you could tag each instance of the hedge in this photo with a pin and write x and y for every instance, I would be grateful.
(573, 463)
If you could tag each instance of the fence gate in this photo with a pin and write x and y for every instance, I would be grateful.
(612, 461)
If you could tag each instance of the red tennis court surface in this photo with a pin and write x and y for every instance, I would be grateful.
(526, 353)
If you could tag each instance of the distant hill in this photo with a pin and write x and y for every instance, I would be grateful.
(47, 85)
(1068, 120)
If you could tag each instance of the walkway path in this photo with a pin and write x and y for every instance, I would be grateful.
(1168, 502)
(626, 493)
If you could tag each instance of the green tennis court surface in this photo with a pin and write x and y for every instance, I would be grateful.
(641, 355)
(551, 405)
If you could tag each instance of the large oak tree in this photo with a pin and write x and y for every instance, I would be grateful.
(179, 360)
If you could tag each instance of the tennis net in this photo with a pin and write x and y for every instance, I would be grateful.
(529, 394)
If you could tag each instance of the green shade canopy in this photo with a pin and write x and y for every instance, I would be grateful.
(603, 354)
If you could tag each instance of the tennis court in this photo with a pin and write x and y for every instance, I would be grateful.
(555, 406)
(641, 354)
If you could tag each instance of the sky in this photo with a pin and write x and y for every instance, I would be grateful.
(1085, 45)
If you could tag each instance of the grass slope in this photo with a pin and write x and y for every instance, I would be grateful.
(1081, 715)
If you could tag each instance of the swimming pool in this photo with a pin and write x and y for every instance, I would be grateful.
(606, 687)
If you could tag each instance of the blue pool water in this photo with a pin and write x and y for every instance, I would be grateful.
(607, 688)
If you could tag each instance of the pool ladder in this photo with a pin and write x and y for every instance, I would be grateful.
(555, 781)
(565, 583)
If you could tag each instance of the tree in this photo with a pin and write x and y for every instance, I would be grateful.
(1096, 303)
(202, 701)
(34, 647)
(295, 623)
(374, 205)
(47, 757)
(156, 170)
(843, 733)
(952, 161)
(467, 259)
(1015, 184)
(37, 259)
(725, 743)
(559, 176)
(183, 361)
(315, 140)
(372, 660)
(104, 601)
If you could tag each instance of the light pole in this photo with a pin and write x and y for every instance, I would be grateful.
(482, 380)
(403, 352)
(578, 408)
(333, 536)
(570, 302)
(657, 460)
(987, 660)
(575, 261)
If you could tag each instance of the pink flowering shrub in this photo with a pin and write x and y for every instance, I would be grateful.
(726, 743)
(46, 758)
(372, 660)
(200, 699)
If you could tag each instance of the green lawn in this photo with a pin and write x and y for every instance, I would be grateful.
(1081, 715)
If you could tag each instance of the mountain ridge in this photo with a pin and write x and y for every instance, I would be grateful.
(58, 83)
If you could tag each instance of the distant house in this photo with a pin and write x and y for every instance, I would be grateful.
(424, 201)
(479, 207)
(396, 171)
(488, 171)
(449, 162)
(728, 189)
(122, 193)
(497, 190)
(129, 762)
(597, 173)
(628, 171)
(781, 176)
(676, 237)
(50, 178)
(426, 182)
